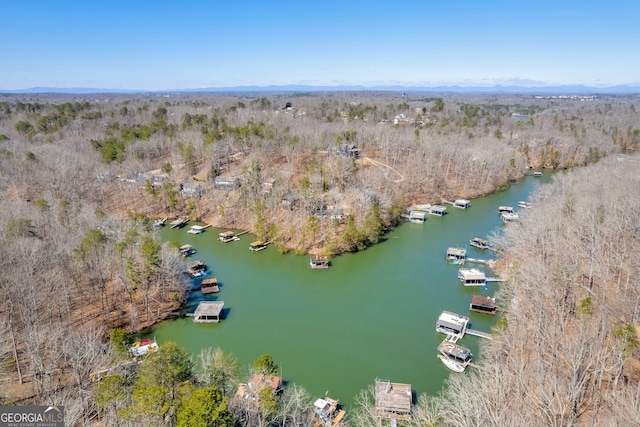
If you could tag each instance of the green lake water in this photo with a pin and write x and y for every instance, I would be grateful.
(370, 315)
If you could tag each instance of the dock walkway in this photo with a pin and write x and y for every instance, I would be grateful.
(477, 260)
(495, 279)
(480, 334)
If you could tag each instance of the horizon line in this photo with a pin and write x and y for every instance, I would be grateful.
(628, 88)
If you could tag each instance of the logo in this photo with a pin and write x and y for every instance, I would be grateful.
(31, 416)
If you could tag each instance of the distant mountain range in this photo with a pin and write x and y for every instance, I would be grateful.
(538, 90)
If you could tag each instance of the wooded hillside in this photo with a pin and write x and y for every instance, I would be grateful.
(567, 353)
(80, 179)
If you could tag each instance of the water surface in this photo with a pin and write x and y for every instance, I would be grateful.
(370, 315)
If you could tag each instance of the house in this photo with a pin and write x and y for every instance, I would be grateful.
(267, 185)
(107, 176)
(190, 189)
(226, 183)
(289, 202)
(330, 212)
(157, 181)
(156, 177)
(135, 178)
(347, 150)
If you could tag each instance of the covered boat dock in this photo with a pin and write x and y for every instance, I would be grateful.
(393, 400)
(209, 286)
(483, 304)
(208, 312)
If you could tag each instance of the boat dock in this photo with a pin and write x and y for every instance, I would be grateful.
(392, 400)
(179, 223)
(458, 203)
(495, 279)
(159, 223)
(480, 334)
(208, 312)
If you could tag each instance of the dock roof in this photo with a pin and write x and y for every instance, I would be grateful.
(471, 274)
(481, 300)
(393, 400)
(457, 251)
(454, 318)
(209, 308)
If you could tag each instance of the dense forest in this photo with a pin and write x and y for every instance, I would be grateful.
(82, 269)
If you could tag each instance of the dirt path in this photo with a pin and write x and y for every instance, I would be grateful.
(389, 173)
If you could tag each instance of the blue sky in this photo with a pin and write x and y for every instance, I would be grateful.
(195, 44)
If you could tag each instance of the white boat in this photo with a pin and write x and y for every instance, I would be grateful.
(480, 243)
(159, 223)
(186, 250)
(523, 204)
(451, 364)
(505, 209)
(228, 236)
(144, 347)
(258, 245)
(509, 217)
